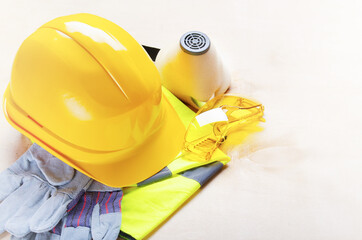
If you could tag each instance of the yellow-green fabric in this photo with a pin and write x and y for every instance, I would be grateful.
(146, 207)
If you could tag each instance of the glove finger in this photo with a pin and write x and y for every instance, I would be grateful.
(46, 236)
(95, 223)
(76, 233)
(54, 209)
(30, 236)
(18, 222)
(38, 236)
(110, 225)
(50, 213)
(106, 217)
(9, 183)
(10, 205)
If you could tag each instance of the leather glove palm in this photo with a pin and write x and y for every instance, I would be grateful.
(35, 192)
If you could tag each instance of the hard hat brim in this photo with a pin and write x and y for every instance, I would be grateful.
(153, 155)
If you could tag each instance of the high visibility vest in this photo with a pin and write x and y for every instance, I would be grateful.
(147, 205)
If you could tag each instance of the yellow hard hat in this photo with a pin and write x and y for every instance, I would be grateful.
(87, 92)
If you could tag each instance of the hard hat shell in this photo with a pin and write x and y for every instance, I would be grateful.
(86, 91)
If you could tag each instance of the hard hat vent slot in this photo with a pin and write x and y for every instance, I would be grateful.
(195, 43)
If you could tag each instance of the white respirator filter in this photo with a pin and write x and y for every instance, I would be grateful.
(192, 69)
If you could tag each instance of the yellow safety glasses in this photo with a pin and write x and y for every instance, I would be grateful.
(215, 120)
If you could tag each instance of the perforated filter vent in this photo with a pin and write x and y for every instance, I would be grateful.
(195, 43)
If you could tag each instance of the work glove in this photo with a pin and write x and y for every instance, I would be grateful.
(97, 215)
(36, 191)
